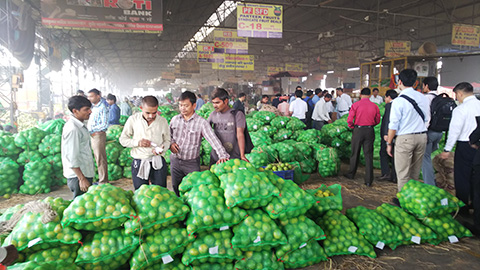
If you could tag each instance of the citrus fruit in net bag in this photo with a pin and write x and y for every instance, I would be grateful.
(258, 158)
(106, 250)
(282, 134)
(173, 263)
(29, 139)
(63, 253)
(8, 148)
(213, 266)
(308, 254)
(327, 198)
(275, 179)
(257, 230)
(7, 215)
(308, 165)
(123, 119)
(280, 122)
(231, 166)
(291, 202)
(127, 172)
(260, 138)
(30, 232)
(309, 136)
(286, 151)
(103, 207)
(343, 237)
(9, 176)
(446, 228)
(269, 130)
(27, 156)
(299, 231)
(247, 189)
(408, 224)
(295, 124)
(53, 126)
(50, 145)
(125, 159)
(115, 172)
(205, 151)
(264, 259)
(375, 227)
(424, 200)
(37, 177)
(208, 209)
(113, 149)
(195, 179)
(264, 116)
(213, 246)
(114, 132)
(328, 161)
(254, 124)
(155, 207)
(160, 246)
(44, 266)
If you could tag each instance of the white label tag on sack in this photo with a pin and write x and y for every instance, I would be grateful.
(352, 249)
(283, 123)
(242, 168)
(268, 118)
(255, 126)
(302, 246)
(444, 202)
(167, 259)
(213, 250)
(453, 239)
(34, 241)
(265, 128)
(380, 245)
(258, 239)
(224, 228)
(285, 136)
(338, 130)
(416, 239)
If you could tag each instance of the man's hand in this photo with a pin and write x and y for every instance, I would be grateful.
(144, 143)
(244, 158)
(385, 137)
(223, 160)
(12, 255)
(474, 146)
(83, 184)
(174, 148)
(389, 150)
(444, 155)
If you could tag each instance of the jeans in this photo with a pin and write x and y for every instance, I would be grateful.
(72, 183)
(433, 138)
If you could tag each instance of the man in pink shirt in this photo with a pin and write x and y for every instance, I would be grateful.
(284, 107)
(363, 116)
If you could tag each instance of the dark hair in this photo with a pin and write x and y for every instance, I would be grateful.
(112, 97)
(339, 89)
(318, 91)
(78, 102)
(299, 93)
(80, 92)
(325, 92)
(365, 91)
(375, 89)
(220, 93)
(265, 96)
(95, 91)
(464, 87)
(188, 95)
(298, 86)
(408, 77)
(150, 101)
(391, 93)
(432, 83)
(328, 96)
(309, 93)
(1, 128)
(199, 96)
(242, 95)
(8, 128)
(278, 95)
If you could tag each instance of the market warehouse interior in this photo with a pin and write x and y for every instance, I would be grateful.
(328, 98)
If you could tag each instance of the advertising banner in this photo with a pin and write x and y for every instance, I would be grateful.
(293, 67)
(206, 53)
(397, 48)
(465, 35)
(227, 41)
(236, 62)
(129, 16)
(259, 20)
(273, 70)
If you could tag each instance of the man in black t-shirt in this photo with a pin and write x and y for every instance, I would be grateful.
(239, 104)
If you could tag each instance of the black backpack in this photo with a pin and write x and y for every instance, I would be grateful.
(441, 111)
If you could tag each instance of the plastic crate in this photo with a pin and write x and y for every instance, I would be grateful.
(287, 175)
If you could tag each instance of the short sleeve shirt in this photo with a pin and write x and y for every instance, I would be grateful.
(224, 125)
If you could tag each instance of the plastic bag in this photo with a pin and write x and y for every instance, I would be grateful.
(327, 198)
(53, 126)
(264, 259)
(196, 179)
(292, 202)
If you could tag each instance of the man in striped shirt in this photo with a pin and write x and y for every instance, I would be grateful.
(186, 131)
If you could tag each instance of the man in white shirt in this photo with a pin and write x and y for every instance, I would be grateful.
(375, 98)
(77, 158)
(298, 108)
(344, 102)
(320, 114)
(408, 117)
(463, 123)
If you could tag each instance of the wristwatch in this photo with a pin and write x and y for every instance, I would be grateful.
(389, 143)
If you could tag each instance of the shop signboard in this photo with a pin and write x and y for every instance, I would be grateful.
(259, 20)
(466, 35)
(273, 70)
(397, 48)
(294, 67)
(226, 41)
(206, 53)
(236, 62)
(189, 66)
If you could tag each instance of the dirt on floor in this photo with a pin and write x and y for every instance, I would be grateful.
(462, 255)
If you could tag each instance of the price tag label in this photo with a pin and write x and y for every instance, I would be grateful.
(453, 239)
(416, 239)
(167, 259)
(444, 202)
(265, 128)
(380, 245)
(285, 136)
(255, 126)
(338, 130)
(283, 123)
(302, 246)
(213, 250)
(352, 249)
(268, 118)
(34, 241)
(258, 239)
(224, 228)
(242, 168)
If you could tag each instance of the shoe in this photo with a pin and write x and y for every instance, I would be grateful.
(368, 184)
(396, 202)
(349, 176)
(384, 177)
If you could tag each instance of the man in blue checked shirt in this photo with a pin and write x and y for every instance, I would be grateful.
(97, 125)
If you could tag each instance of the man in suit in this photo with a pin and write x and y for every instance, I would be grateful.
(385, 159)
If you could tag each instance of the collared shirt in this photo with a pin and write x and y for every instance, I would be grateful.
(99, 118)
(125, 109)
(403, 116)
(315, 99)
(320, 113)
(76, 149)
(199, 105)
(363, 113)
(344, 102)
(188, 135)
(299, 108)
(378, 99)
(330, 107)
(309, 102)
(114, 115)
(430, 96)
(283, 107)
(463, 121)
(136, 128)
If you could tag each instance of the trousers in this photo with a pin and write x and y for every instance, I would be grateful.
(433, 138)
(99, 141)
(179, 168)
(462, 171)
(409, 151)
(362, 138)
(156, 177)
(386, 160)
(73, 185)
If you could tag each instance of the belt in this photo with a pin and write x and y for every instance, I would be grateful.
(343, 111)
(364, 126)
(416, 133)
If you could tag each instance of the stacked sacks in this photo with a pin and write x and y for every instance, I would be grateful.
(8, 148)
(205, 151)
(323, 201)
(196, 179)
(263, 259)
(328, 160)
(125, 161)
(113, 132)
(29, 139)
(9, 176)
(339, 136)
(50, 147)
(53, 126)
(44, 266)
(37, 177)
(27, 156)
(114, 150)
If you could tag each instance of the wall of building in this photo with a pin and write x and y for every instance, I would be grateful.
(460, 69)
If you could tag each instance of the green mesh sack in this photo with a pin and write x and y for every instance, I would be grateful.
(269, 130)
(214, 266)
(304, 150)
(413, 231)
(258, 158)
(291, 202)
(36, 177)
(168, 153)
(53, 126)
(60, 254)
(213, 247)
(56, 162)
(375, 227)
(328, 161)
(296, 133)
(44, 266)
(342, 236)
(270, 150)
(8, 148)
(347, 136)
(127, 172)
(231, 166)
(446, 228)
(9, 176)
(264, 116)
(162, 245)
(96, 254)
(309, 136)
(424, 200)
(156, 207)
(260, 138)
(125, 159)
(30, 232)
(123, 119)
(196, 179)
(299, 231)
(282, 134)
(27, 156)
(114, 132)
(286, 152)
(280, 122)
(308, 165)
(7, 215)
(295, 124)
(310, 254)
(257, 230)
(327, 198)
(115, 172)
(254, 124)
(113, 149)
(206, 149)
(51, 144)
(208, 209)
(247, 189)
(168, 263)
(103, 207)
(264, 259)
(29, 139)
